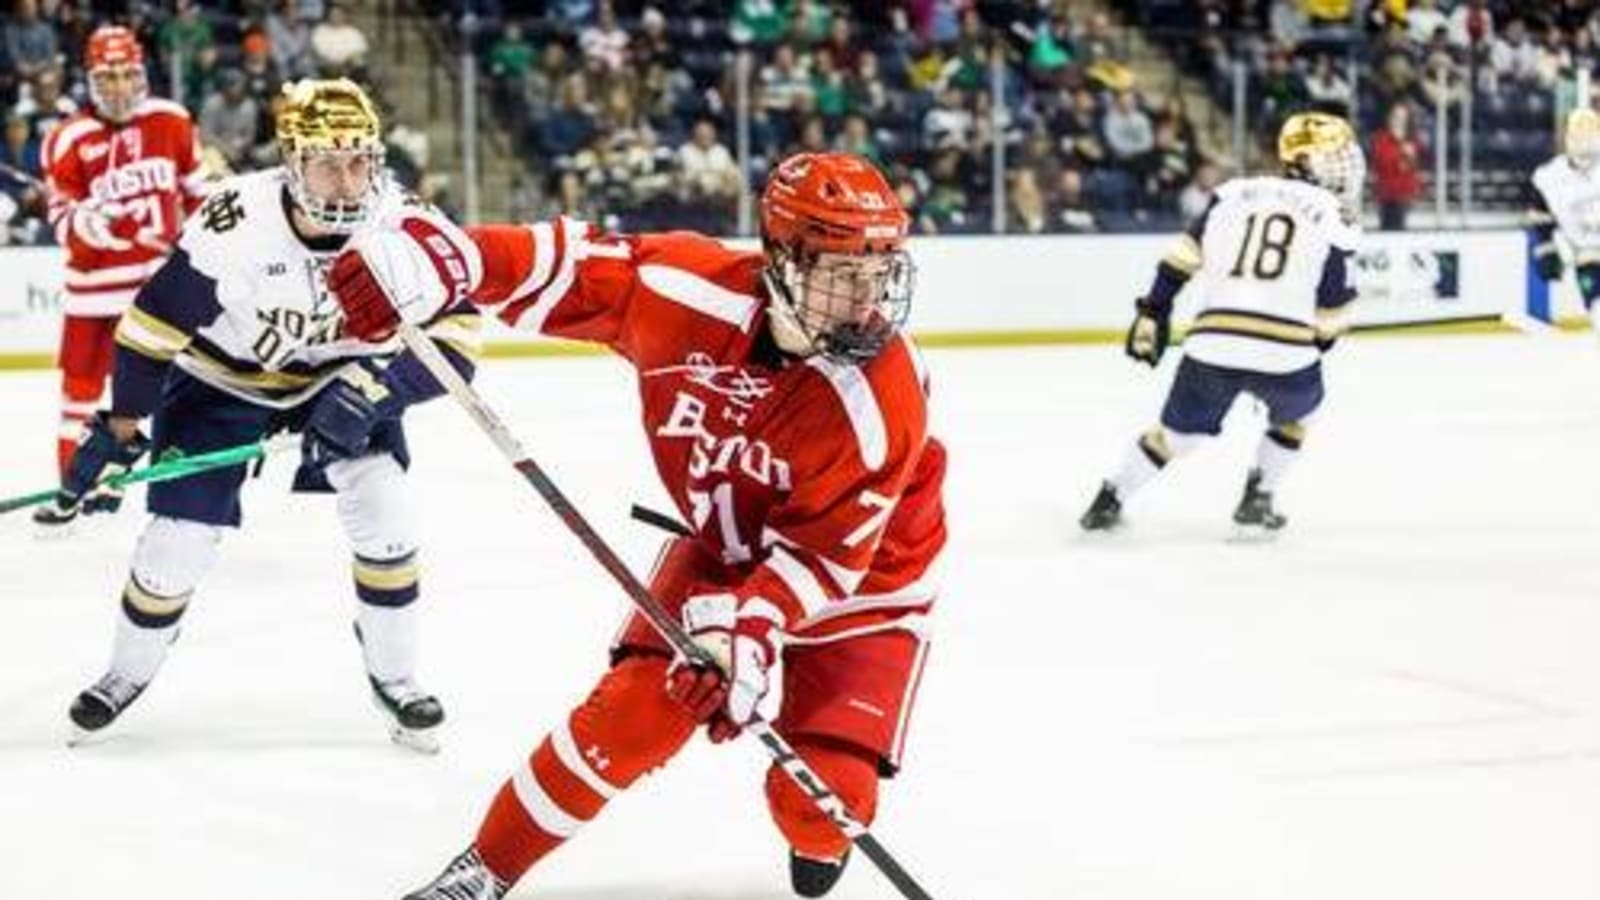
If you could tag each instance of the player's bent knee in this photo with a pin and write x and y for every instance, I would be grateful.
(1162, 445)
(1288, 435)
(852, 774)
(628, 725)
(171, 558)
(374, 507)
(173, 555)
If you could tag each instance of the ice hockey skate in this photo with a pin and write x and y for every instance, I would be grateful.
(52, 521)
(1105, 513)
(100, 705)
(412, 715)
(815, 877)
(1255, 517)
(466, 878)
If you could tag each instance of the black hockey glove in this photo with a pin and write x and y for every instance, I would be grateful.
(1549, 265)
(1149, 334)
(99, 457)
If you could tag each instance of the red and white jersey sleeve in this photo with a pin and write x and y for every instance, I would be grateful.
(149, 167)
(855, 542)
(568, 279)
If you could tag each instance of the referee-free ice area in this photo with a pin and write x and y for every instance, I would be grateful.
(1399, 699)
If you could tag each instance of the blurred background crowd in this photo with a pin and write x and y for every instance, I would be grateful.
(1034, 116)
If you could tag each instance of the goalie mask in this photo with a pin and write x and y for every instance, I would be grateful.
(834, 234)
(1581, 142)
(114, 63)
(332, 148)
(1322, 149)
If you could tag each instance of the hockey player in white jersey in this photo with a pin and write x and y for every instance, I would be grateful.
(236, 338)
(1271, 252)
(1564, 196)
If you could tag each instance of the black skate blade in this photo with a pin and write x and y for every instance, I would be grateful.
(424, 741)
(1251, 534)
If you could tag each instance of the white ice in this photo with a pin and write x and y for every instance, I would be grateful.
(1398, 700)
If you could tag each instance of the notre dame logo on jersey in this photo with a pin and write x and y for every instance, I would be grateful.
(222, 212)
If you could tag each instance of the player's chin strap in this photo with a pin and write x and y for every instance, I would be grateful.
(667, 626)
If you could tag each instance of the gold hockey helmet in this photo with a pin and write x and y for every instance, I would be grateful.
(1322, 149)
(1581, 140)
(331, 142)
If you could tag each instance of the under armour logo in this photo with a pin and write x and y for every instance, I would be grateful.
(597, 758)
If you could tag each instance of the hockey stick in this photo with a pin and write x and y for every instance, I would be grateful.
(669, 629)
(169, 468)
(24, 177)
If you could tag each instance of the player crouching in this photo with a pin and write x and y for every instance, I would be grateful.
(235, 338)
(1273, 252)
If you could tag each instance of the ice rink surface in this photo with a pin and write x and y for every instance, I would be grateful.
(1398, 700)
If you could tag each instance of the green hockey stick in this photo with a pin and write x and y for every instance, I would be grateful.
(172, 465)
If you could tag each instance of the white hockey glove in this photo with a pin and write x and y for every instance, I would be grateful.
(104, 225)
(741, 641)
(408, 273)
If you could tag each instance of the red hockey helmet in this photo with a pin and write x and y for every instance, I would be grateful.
(114, 61)
(834, 233)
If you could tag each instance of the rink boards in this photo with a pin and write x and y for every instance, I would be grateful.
(1010, 290)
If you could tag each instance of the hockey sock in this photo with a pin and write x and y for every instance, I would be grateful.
(1279, 449)
(148, 624)
(170, 559)
(625, 728)
(1148, 456)
(80, 397)
(386, 615)
(852, 773)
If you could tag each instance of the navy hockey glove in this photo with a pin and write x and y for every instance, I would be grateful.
(1549, 265)
(102, 455)
(1149, 334)
(344, 414)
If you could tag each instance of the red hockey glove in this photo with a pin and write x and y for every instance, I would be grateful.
(406, 274)
(741, 642)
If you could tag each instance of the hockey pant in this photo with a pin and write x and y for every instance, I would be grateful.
(845, 707)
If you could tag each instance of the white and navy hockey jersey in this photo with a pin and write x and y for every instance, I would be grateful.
(1272, 257)
(1567, 198)
(243, 306)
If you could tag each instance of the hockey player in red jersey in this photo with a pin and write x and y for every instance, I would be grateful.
(121, 178)
(787, 416)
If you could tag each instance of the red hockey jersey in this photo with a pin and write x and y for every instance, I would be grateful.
(150, 164)
(817, 483)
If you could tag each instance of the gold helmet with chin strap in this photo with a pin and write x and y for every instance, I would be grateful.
(329, 117)
(1581, 140)
(1322, 149)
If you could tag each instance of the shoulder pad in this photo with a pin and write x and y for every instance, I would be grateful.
(218, 235)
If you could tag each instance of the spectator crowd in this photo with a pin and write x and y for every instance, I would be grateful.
(224, 60)
(629, 111)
